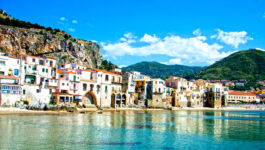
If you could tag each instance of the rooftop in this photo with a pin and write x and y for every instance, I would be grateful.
(240, 93)
(8, 77)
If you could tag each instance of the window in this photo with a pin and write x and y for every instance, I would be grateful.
(62, 84)
(33, 59)
(84, 87)
(38, 90)
(17, 61)
(106, 89)
(2, 63)
(71, 99)
(67, 99)
(91, 87)
(62, 99)
(24, 92)
(91, 76)
(41, 62)
(107, 78)
(15, 72)
(51, 63)
(46, 70)
(43, 70)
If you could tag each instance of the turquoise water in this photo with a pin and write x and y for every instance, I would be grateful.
(135, 130)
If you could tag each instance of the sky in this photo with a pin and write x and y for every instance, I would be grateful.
(184, 32)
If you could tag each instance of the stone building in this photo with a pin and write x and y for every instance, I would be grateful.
(215, 96)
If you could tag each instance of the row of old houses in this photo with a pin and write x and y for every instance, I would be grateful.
(33, 80)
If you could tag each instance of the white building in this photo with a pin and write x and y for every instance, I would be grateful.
(38, 77)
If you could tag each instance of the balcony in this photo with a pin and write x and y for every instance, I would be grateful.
(158, 92)
(139, 89)
(116, 82)
(51, 83)
(31, 72)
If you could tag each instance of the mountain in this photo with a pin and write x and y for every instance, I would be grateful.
(158, 70)
(246, 64)
(21, 37)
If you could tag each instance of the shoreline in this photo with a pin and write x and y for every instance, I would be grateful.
(18, 111)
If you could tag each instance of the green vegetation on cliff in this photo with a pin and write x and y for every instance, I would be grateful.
(7, 20)
(158, 70)
(247, 64)
(21, 37)
(107, 65)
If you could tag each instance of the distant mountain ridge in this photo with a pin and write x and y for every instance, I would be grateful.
(158, 70)
(245, 64)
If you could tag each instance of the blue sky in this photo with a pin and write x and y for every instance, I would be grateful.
(189, 32)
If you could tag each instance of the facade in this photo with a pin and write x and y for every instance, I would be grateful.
(142, 88)
(215, 96)
(187, 93)
(157, 93)
(37, 74)
(40, 80)
(128, 87)
(241, 97)
(10, 90)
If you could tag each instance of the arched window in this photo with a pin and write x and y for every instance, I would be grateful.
(91, 87)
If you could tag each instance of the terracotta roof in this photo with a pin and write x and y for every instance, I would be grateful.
(50, 57)
(32, 56)
(240, 93)
(8, 77)
(89, 70)
(62, 71)
(59, 71)
(77, 95)
(98, 70)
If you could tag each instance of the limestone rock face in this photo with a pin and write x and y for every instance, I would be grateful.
(39, 42)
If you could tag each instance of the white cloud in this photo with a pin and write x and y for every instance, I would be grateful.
(128, 38)
(121, 66)
(232, 38)
(63, 19)
(129, 35)
(173, 61)
(197, 32)
(183, 50)
(71, 29)
(149, 39)
(74, 21)
(260, 49)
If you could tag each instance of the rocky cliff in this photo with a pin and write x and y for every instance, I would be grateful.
(41, 42)
(21, 37)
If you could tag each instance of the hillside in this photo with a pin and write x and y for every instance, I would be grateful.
(247, 64)
(157, 70)
(21, 37)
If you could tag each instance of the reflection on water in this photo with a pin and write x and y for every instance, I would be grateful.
(135, 129)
